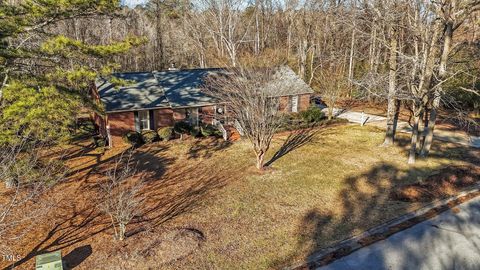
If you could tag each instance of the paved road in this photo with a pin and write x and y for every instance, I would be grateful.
(450, 240)
(380, 121)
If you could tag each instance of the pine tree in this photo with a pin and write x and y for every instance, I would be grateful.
(45, 77)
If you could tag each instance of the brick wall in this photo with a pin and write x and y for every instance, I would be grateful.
(179, 115)
(120, 123)
(163, 118)
(100, 124)
(207, 114)
(303, 102)
(285, 103)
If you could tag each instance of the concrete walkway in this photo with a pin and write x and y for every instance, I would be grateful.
(450, 240)
(381, 122)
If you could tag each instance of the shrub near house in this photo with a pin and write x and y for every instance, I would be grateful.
(149, 136)
(165, 133)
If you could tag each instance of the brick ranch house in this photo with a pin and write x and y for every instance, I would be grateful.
(158, 99)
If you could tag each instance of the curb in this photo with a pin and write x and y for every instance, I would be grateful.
(378, 233)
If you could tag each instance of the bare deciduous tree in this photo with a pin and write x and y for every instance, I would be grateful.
(121, 191)
(452, 14)
(248, 95)
(333, 83)
(28, 175)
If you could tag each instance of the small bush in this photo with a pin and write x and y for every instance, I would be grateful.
(99, 141)
(182, 127)
(149, 136)
(287, 119)
(312, 114)
(165, 133)
(134, 138)
(209, 130)
(195, 132)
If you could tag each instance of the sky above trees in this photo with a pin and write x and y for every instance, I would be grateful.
(133, 3)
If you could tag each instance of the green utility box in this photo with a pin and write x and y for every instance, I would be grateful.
(49, 261)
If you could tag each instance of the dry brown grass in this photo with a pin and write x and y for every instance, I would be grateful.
(325, 185)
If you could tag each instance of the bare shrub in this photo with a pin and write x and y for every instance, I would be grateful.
(28, 174)
(122, 200)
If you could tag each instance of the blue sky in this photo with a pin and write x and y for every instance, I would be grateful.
(133, 3)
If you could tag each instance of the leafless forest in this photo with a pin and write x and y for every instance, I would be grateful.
(424, 54)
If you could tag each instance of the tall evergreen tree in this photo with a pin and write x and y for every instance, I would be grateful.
(45, 76)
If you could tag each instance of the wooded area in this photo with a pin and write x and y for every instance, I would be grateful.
(423, 53)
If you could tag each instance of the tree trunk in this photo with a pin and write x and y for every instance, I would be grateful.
(122, 228)
(372, 49)
(257, 32)
(303, 59)
(437, 98)
(260, 159)
(159, 46)
(330, 112)
(418, 146)
(392, 89)
(411, 156)
(392, 120)
(350, 63)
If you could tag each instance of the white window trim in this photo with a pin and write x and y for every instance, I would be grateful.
(294, 102)
(147, 118)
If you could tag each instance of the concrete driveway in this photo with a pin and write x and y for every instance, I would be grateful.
(450, 240)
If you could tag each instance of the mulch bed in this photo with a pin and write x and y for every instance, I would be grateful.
(443, 184)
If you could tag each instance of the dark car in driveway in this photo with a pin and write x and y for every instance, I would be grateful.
(317, 100)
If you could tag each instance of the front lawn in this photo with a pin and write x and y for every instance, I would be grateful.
(209, 208)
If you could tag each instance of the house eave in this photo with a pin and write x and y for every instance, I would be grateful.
(166, 107)
(193, 106)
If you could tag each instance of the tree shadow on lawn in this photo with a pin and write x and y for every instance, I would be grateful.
(181, 190)
(80, 149)
(206, 147)
(169, 191)
(365, 202)
(442, 149)
(295, 140)
(96, 165)
(151, 161)
(77, 256)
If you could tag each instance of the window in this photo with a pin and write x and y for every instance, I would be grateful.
(294, 103)
(144, 120)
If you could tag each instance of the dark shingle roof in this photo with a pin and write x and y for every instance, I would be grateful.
(183, 87)
(180, 88)
(285, 83)
(144, 93)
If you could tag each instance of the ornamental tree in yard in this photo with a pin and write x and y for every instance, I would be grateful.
(246, 93)
(121, 193)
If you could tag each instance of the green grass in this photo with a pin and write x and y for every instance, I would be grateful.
(331, 187)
